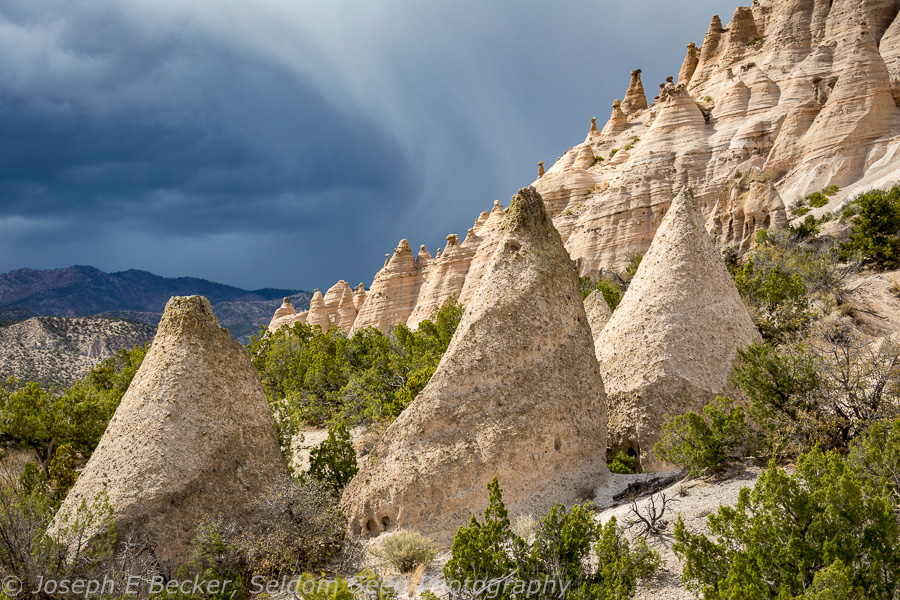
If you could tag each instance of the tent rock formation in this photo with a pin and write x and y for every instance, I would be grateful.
(791, 97)
(193, 436)
(669, 346)
(518, 394)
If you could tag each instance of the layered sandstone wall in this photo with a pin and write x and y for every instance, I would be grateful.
(790, 97)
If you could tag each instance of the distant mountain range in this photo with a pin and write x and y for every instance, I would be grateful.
(83, 291)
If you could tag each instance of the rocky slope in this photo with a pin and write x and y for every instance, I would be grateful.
(790, 97)
(59, 350)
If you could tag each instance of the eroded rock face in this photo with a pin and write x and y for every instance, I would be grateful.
(669, 345)
(318, 311)
(341, 313)
(523, 345)
(193, 436)
(392, 297)
(597, 311)
(618, 120)
(635, 98)
(791, 97)
(346, 312)
(691, 60)
(286, 309)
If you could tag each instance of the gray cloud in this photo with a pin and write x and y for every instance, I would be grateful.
(288, 143)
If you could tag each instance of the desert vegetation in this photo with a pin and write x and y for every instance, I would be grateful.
(317, 377)
(570, 555)
(612, 283)
(819, 399)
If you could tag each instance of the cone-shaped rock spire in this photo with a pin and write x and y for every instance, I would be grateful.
(669, 345)
(192, 437)
(594, 131)
(523, 345)
(286, 309)
(393, 294)
(318, 312)
(333, 296)
(618, 121)
(709, 51)
(635, 98)
(742, 32)
(359, 296)
(346, 312)
(691, 60)
(447, 278)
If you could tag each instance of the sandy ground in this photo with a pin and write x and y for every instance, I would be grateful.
(696, 499)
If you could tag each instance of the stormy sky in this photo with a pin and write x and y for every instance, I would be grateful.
(290, 143)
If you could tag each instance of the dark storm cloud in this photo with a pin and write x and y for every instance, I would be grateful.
(293, 143)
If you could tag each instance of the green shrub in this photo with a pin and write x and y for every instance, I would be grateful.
(215, 564)
(80, 548)
(817, 200)
(797, 536)
(597, 160)
(612, 284)
(704, 443)
(316, 377)
(363, 586)
(557, 560)
(778, 300)
(807, 228)
(623, 464)
(405, 550)
(41, 420)
(823, 390)
(613, 152)
(851, 210)
(780, 387)
(831, 190)
(800, 210)
(612, 292)
(63, 473)
(333, 462)
(875, 233)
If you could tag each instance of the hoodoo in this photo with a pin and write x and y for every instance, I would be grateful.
(691, 60)
(523, 345)
(392, 297)
(192, 437)
(635, 98)
(318, 312)
(286, 309)
(617, 120)
(669, 345)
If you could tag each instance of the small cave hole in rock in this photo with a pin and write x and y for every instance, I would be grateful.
(370, 527)
(557, 444)
(385, 522)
